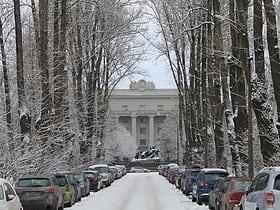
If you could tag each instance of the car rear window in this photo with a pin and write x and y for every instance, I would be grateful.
(61, 180)
(194, 173)
(1, 193)
(79, 177)
(34, 182)
(213, 177)
(242, 185)
(91, 175)
(101, 169)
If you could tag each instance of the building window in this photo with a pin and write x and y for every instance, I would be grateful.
(143, 142)
(158, 130)
(125, 107)
(142, 130)
(142, 107)
(160, 107)
(160, 119)
(142, 119)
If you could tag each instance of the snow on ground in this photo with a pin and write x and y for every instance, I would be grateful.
(146, 191)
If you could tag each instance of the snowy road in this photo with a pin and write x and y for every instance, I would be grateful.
(147, 191)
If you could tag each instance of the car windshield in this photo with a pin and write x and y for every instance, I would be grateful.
(61, 180)
(101, 169)
(34, 182)
(242, 185)
(213, 177)
(1, 193)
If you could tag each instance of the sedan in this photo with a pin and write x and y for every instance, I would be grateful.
(8, 197)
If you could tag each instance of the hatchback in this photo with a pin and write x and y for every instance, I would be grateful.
(9, 200)
(216, 193)
(68, 189)
(39, 192)
(188, 179)
(83, 182)
(264, 191)
(95, 180)
(234, 192)
(206, 179)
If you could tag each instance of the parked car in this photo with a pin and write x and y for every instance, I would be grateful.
(39, 192)
(206, 179)
(216, 193)
(264, 191)
(103, 169)
(234, 192)
(161, 168)
(172, 173)
(178, 177)
(9, 200)
(113, 170)
(188, 179)
(138, 169)
(76, 185)
(95, 180)
(123, 169)
(83, 181)
(68, 189)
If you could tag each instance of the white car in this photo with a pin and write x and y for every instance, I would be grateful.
(8, 197)
(138, 169)
(103, 169)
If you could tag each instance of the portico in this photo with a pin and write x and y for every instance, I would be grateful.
(142, 108)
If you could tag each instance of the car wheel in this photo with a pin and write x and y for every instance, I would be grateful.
(217, 205)
(193, 199)
(199, 202)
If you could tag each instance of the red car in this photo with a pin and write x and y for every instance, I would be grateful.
(234, 192)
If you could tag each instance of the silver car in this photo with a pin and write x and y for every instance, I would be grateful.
(264, 192)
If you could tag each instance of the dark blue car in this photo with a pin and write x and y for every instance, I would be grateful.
(206, 180)
(188, 179)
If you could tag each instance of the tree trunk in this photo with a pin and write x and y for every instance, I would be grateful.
(6, 85)
(273, 52)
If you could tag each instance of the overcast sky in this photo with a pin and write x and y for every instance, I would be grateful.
(157, 68)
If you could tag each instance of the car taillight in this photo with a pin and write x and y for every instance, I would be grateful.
(50, 190)
(203, 184)
(234, 198)
(19, 191)
(67, 189)
(269, 198)
(189, 179)
(95, 180)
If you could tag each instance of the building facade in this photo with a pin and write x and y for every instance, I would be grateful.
(142, 109)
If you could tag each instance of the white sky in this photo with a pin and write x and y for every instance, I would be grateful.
(146, 191)
(157, 68)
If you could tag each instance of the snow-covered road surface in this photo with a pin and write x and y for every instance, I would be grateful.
(146, 191)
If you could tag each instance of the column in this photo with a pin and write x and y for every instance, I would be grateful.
(151, 131)
(133, 127)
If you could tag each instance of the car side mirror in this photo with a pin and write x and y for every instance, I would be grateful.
(10, 197)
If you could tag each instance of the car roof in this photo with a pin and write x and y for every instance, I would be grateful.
(37, 176)
(268, 169)
(214, 170)
(99, 165)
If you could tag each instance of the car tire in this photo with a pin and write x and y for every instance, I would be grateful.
(199, 202)
(193, 199)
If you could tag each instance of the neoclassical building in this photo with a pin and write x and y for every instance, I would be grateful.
(142, 108)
